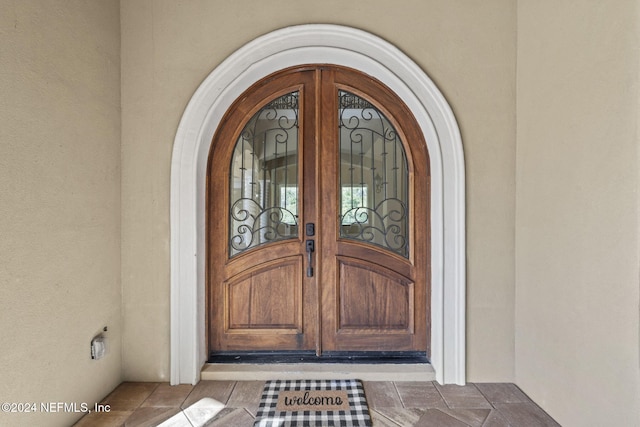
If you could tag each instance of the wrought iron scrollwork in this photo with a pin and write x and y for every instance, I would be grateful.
(254, 224)
(373, 177)
(263, 184)
(382, 225)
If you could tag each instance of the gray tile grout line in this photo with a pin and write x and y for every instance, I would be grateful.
(250, 414)
(235, 384)
(186, 397)
(493, 407)
(385, 417)
(441, 395)
(453, 409)
(528, 401)
(427, 409)
(498, 411)
(179, 405)
(188, 394)
(217, 416)
(395, 387)
(124, 423)
(487, 399)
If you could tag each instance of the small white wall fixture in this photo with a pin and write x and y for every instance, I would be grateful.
(314, 44)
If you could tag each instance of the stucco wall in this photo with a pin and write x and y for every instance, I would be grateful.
(467, 48)
(59, 203)
(577, 210)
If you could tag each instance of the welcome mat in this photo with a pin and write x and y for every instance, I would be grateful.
(313, 403)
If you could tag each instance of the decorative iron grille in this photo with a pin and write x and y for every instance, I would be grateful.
(374, 177)
(264, 177)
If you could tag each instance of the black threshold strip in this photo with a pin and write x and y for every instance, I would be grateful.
(274, 357)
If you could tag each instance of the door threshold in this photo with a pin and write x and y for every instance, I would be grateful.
(318, 371)
(293, 357)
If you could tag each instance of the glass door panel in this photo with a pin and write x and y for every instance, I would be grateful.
(264, 177)
(374, 178)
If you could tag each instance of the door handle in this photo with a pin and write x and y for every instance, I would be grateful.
(311, 247)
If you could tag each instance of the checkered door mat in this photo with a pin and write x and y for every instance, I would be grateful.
(270, 415)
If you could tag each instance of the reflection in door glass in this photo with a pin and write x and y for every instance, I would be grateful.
(374, 177)
(263, 199)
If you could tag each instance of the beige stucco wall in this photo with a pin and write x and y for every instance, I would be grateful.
(577, 210)
(59, 203)
(467, 48)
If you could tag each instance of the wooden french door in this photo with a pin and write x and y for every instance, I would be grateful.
(317, 218)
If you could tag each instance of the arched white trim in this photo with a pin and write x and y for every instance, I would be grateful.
(298, 45)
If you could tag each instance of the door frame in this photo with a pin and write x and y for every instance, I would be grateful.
(292, 46)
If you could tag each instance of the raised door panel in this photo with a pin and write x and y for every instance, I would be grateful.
(267, 298)
(373, 299)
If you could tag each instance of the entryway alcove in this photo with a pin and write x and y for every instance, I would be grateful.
(335, 46)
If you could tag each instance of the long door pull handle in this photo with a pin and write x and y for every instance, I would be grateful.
(311, 247)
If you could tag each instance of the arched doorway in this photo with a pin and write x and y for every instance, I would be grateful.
(275, 51)
(317, 221)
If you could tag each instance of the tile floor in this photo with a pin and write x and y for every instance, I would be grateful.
(391, 404)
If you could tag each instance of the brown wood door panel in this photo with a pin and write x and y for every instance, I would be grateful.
(373, 300)
(266, 298)
(373, 308)
(263, 308)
